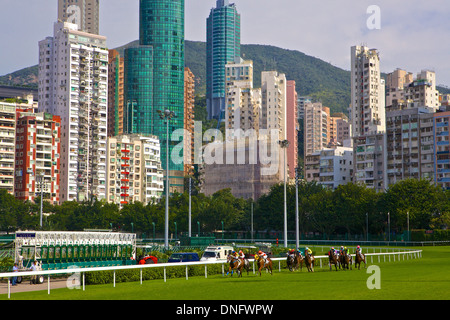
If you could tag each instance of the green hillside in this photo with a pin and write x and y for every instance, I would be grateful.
(313, 77)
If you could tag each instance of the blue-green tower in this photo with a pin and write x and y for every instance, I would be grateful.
(154, 77)
(223, 45)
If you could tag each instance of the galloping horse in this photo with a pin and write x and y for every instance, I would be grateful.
(346, 260)
(358, 258)
(235, 264)
(261, 264)
(333, 259)
(291, 262)
(309, 262)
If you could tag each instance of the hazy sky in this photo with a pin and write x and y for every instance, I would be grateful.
(413, 35)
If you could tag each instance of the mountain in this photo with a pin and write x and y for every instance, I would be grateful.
(314, 77)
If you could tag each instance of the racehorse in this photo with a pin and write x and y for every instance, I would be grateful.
(235, 264)
(294, 261)
(358, 258)
(346, 260)
(333, 259)
(309, 262)
(261, 264)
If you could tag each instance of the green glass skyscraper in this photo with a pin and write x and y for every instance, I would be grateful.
(154, 77)
(223, 45)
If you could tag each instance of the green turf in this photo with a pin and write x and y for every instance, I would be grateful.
(424, 278)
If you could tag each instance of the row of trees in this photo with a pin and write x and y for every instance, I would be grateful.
(348, 209)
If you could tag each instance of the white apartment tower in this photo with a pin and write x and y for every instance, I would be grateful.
(273, 111)
(134, 169)
(368, 117)
(243, 102)
(73, 84)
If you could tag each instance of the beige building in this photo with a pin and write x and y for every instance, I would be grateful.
(422, 91)
(243, 102)
(116, 102)
(84, 13)
(134, 169)
(368, 117)
(189, 103)
(316, 127)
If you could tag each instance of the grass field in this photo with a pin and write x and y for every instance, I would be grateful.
(427, 278)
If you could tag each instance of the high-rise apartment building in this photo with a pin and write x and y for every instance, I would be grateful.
(7, 146)
(441, 168)
(243, 102)
(73, 84)
(154, 77)
(273, 109)
(189, 102)
(38, 145)
(223, 45)
(410, 144)
(316, 127)
(116, 103)
(134, 169)
(368, 118)
(83, 13)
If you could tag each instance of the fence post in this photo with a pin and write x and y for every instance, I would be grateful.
(9, 288)
(84, 282)
(48, 284)
(187, 273)
(164, 274)
(141, 275)
(206, 271)
(114, 278)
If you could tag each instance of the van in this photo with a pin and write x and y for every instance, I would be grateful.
(216, 253)
(183, 257)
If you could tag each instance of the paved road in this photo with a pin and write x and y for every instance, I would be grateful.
(26, 286)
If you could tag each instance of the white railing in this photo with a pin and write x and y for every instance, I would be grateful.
(411, 254)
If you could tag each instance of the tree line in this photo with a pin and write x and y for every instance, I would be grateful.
(349, 209)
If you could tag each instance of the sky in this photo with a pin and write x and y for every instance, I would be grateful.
(412, 35)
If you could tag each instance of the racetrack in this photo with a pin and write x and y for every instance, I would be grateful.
(424, 278)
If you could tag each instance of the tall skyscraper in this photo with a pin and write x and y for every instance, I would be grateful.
(154, 78)
(223, 45)
(73, 84)
(368, 118)
(84, 13)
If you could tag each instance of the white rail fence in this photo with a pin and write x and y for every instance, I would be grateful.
(381, 256)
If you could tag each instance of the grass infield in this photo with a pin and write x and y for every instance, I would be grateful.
(426, 278)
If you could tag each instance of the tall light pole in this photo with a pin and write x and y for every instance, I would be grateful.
(389, 226)
(284, 145)
(166, 115)
(190, 206)
(41, 182)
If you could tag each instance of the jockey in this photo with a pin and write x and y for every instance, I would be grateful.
(241, 255)
(332, 251)
(262, 255)
(358, 250)
(309, 251)
(342, 250)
